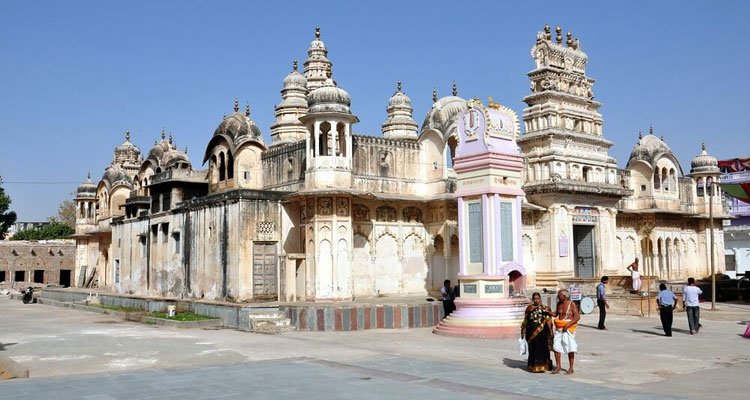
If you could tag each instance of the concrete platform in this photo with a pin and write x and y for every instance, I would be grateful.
(76, 355)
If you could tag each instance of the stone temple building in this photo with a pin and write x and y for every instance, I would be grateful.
(321, 213)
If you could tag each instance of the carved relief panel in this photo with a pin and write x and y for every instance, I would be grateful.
(412, 214)
(361, 212)
(342, 207)
(325, 206)
(385, 214)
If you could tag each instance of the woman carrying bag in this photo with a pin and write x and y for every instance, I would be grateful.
(536, 329)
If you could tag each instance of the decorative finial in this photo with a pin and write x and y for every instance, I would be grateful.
(185, 149)
(294, 65)
(247, 109)
(317, 32)
(127, 136)
(171, 138)
(547, 34)
(491, 103)
(455, 89)
(88, 176)
(651, 129)
(434, 95)
(163, 133)
(661, 137)
(398, 87)
(558, 30)
(236, 105)
(569, 42)
(640, 134)
(224, 117)
(703, 146)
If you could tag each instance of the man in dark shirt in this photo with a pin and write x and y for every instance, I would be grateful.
(601, 300)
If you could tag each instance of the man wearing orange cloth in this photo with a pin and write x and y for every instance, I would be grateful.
(566, 320)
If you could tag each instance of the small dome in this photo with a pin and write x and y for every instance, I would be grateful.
(87, 189)
(399, 99)
(443, 114)
(329, 98)
(704, 163)
(174, 157)
(295, 80)
(238, 126)
(649, 149)
(114, 176)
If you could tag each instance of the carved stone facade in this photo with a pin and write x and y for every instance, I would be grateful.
(323, 214)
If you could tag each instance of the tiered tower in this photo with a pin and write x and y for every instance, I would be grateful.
(317, 64)
(400, 123)
(563, 138)
(293, 106)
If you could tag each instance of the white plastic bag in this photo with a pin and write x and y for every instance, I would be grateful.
(522, 347)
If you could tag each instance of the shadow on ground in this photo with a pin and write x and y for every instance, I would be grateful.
(2, 345)
(518, 364)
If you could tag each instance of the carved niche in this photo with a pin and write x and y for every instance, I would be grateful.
(361, 212)
(310, 208)
(412, 214)
(325, 206)
(342, 207)
(385, 214)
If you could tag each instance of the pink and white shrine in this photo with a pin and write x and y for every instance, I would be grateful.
(488, 164)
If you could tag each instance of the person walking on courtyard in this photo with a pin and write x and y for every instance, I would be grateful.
(666, 301)
(566, 321)
(601, 300)
(635, 275)
(536, 329)
(447, 292)
(690, 294)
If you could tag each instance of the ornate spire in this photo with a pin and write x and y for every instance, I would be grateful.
(558, 30)
(569, 42)
(88, 176)
(236, 105)
(434, 95)
(185, 149)
(547, 32)
(455, 89)
(703, 146)
(661, 137)
(398, 87)
(294, 66)
(651, 129)
(640, 134)
(317, 32)
(163, 133)
(171, 138)
(127, 136)
(247, 109)
(491, 103)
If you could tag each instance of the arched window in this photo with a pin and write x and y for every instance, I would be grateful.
(657, 179)
(222, 167)
(452, 144)
(325, 140)
(341, 140)
(664, 179)
(586, 174)
(230, 165)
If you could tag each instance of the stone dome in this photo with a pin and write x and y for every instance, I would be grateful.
(650, 149)
(329, 98)
(238, 126)
(443, 115)
(295, 80)
(87, 189)
(704, 163)
(114, 176)
(174, 157)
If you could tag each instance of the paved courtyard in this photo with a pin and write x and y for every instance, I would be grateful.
(79, 355)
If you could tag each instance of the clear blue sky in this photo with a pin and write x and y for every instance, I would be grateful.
(75, 75)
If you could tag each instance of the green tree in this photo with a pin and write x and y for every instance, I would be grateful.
(66, 213)
(7, 218)
(55, 230)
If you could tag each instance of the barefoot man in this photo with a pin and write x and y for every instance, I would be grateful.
(566, 320)
(635, 275)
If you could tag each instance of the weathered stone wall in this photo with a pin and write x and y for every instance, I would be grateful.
(49, 257)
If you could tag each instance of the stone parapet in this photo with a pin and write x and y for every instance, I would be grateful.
(353, 317)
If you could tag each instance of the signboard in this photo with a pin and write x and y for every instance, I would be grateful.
(562, 245)
(493, 288)
(575, 293)
(586, 215)
(470, 288)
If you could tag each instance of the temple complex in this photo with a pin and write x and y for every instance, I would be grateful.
(323, 214)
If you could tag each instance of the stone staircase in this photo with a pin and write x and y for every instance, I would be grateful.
(270, 322)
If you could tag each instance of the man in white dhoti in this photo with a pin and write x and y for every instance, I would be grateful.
(635, 275)
(566, 321)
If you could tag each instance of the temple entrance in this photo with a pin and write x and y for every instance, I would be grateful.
(264, 270)
(584, 254)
